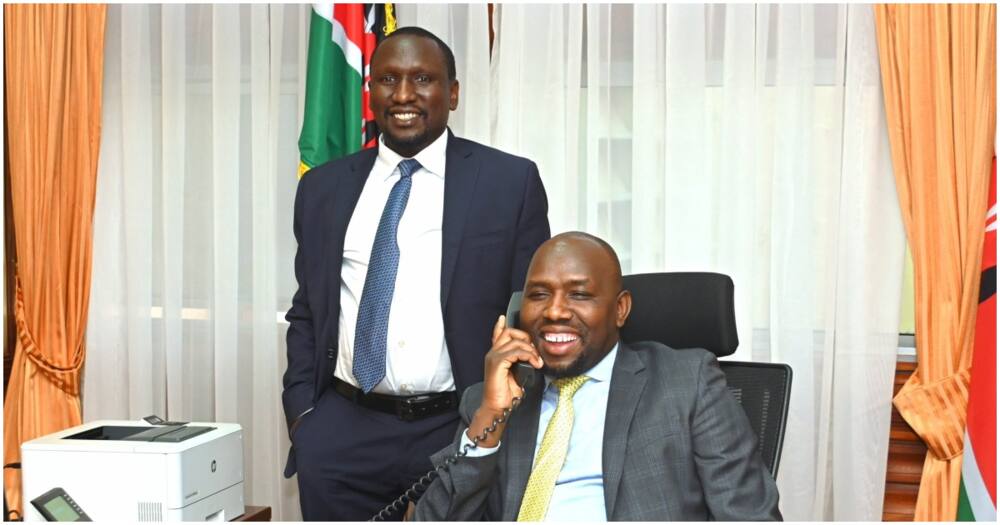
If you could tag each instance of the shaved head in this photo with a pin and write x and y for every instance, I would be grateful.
(567, 240)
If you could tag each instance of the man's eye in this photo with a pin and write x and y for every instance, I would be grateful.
(580, 295)
(423, 79)
(387, 79)
(537, 295)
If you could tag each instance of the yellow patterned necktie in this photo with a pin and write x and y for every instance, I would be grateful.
(551, 453)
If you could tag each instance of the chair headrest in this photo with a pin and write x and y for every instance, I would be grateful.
(682, 310)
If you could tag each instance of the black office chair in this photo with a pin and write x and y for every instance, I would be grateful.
(696, 310)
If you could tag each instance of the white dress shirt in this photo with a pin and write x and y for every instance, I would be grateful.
(417, 358)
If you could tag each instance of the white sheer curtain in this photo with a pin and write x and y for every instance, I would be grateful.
(744, 139)
(193, 244)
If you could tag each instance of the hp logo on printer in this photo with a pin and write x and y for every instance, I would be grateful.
(213, 465)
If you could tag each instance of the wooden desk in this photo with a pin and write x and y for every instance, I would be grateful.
(252, 513)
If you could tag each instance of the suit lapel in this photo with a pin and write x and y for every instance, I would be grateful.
(520, 437)
(339, 211)
(461, 173)
(628, 379)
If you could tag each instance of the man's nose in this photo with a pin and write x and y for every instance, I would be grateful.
(404, 91)
(556, 309)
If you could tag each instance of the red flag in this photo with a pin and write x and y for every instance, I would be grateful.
(978, 491)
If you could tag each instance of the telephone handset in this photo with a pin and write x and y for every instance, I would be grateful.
(524, 375)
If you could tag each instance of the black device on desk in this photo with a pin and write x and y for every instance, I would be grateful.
(57, 505)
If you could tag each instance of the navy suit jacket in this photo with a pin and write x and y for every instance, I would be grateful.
(495, 216)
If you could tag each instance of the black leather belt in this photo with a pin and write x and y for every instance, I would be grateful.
(407, 408)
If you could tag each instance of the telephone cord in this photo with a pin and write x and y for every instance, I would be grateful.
(421, 484)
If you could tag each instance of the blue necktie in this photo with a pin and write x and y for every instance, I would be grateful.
(380, 282)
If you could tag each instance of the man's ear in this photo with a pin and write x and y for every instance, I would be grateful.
(624, 307)
(453, 96)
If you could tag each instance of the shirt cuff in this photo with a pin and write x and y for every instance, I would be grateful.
(477, 452)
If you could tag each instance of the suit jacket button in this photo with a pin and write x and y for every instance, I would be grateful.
(329, 353)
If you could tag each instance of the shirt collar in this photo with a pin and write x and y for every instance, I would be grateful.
(432, 158)
(601, 371)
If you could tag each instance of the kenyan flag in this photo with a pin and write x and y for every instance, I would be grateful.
(337, 120)
(977, 497)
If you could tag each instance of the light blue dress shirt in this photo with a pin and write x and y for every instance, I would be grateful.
(579, 490)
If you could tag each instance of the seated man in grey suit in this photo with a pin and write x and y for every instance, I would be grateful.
(606, 430)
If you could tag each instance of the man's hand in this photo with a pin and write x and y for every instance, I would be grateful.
(510, 345)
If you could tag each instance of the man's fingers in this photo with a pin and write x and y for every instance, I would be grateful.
(515, 389)
(508, 333)
(519, 334)
(503, 333)
(516, 350)
(498, 328)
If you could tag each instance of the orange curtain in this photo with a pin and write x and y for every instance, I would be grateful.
(939, 80)
(53, 63)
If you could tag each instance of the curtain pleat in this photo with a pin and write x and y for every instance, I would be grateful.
(265, 92)
(230, 356)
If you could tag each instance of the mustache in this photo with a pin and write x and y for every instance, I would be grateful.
(547, 324)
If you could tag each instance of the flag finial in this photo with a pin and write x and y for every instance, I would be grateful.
(390, 20)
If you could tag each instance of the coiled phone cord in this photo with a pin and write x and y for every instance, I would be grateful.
(421, 484)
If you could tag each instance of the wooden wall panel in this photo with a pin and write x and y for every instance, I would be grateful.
(906, 459)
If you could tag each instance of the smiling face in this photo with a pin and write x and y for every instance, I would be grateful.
(573, 303)
(411, 94)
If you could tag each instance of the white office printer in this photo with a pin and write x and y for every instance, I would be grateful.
(135, 471)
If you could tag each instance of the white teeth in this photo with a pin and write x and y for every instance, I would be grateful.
(560, 338)
(405, 116)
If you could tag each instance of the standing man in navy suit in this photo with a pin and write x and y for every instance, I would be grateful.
(407, 253)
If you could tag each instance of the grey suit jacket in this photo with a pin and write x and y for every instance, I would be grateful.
(677, 446)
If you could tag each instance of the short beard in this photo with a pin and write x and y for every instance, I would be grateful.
(581, 364)
(406, 144)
